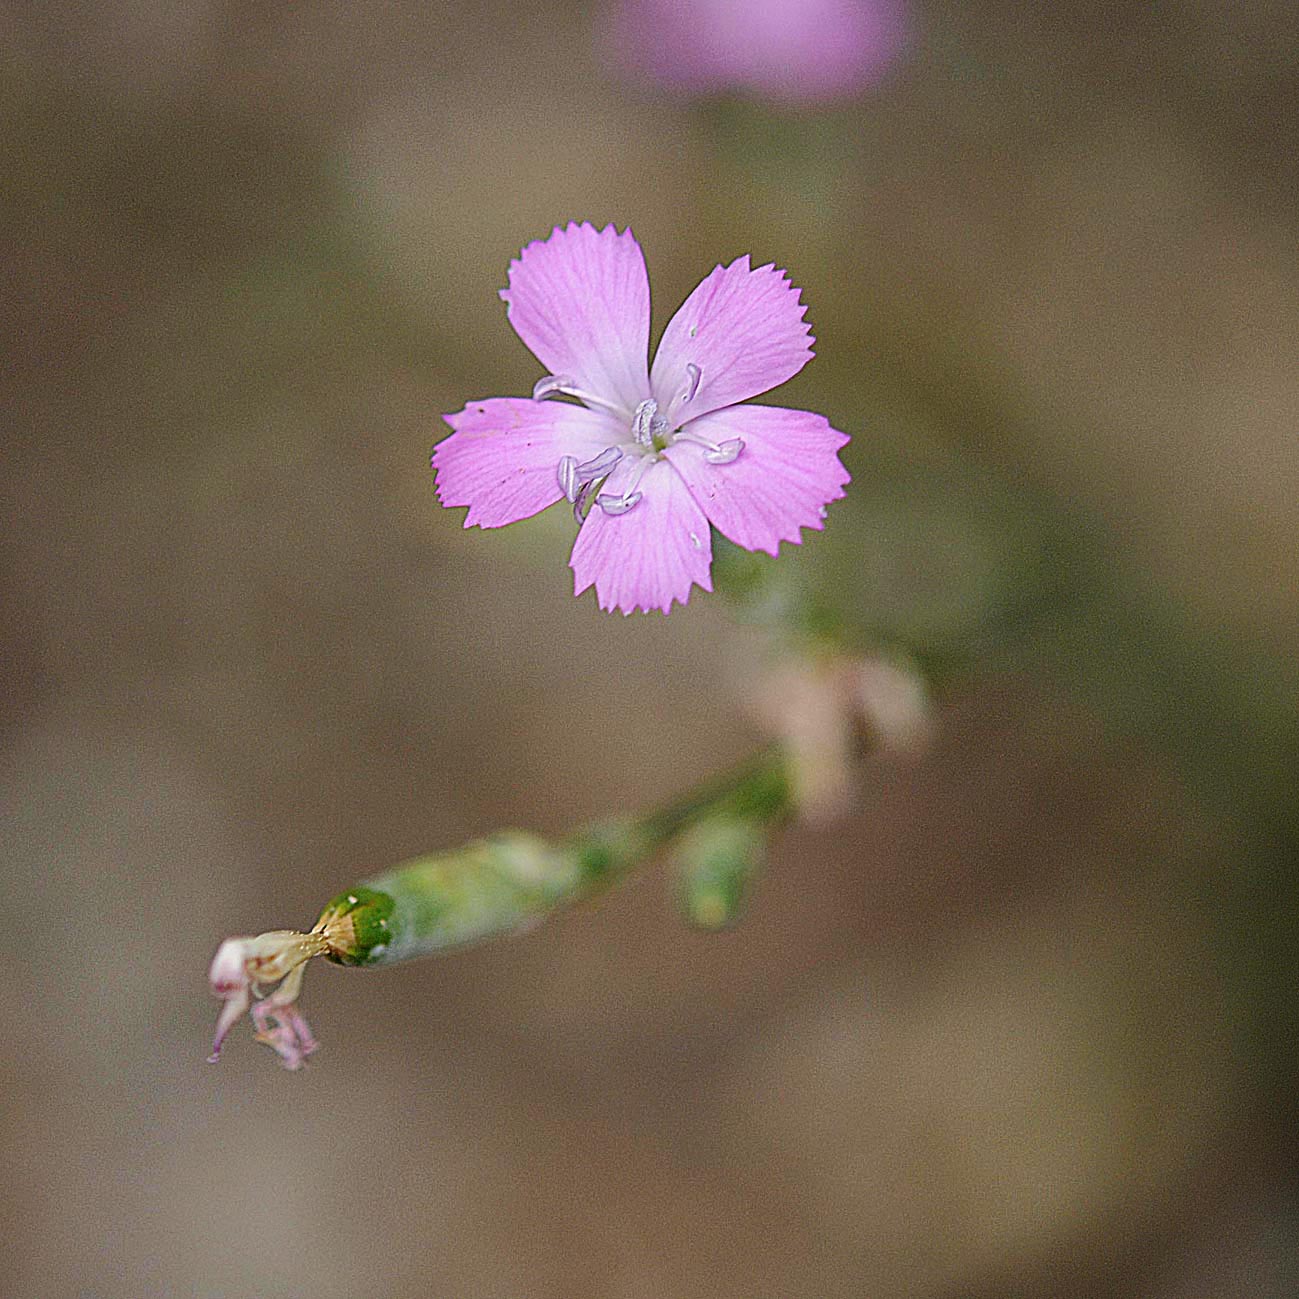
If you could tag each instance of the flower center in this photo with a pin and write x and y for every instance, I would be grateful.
(651, 434)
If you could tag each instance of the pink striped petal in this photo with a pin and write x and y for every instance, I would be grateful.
(501, 461)
(580, 301)
(781, 482)
(650, 556)
(742, 329)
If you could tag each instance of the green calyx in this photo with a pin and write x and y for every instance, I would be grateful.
(358, 926)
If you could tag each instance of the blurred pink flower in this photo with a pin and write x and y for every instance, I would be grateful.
(790, 50)
(652, 457)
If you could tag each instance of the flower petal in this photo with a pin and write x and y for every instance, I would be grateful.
(744, 332)
(787, 473)
(502, 458)
(580, 301)
(650, 556)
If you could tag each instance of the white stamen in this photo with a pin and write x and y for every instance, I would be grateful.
(618, 504)
(566, 473)
(599, 465)
(724, 452)
(563, 385)
(572, 476)
(621, 504)
(716, 453)
(692, 387)
(550, 386)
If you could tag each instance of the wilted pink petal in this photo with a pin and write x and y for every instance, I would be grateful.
(501, 459)
(780, 483)
(236, 1003)
(228, 978)
(281, 1025)
(790, 50)
(743, 331)
(243, 966)
(580, 301)
(652, 554)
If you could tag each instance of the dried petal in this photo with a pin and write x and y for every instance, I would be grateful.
(242, 967)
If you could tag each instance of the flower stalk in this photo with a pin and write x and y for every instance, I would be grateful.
(500, 885)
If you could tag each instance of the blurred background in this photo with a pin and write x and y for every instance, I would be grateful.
(1011, 1029)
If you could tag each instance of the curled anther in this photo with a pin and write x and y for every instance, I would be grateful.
(724, 453)
(716, 453)
(642, 424)
(281, 1025)
(552, 385)
(618, 504)
(564, 385)
(598, 466)
(573, 477)
(630, 497)
(566, 474)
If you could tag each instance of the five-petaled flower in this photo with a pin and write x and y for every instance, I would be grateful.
(652, 456)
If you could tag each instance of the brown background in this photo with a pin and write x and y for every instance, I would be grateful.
(980, 1040)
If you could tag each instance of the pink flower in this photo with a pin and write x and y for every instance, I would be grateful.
(651, 457)
(791, 50)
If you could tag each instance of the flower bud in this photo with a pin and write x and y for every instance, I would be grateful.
(716, 860)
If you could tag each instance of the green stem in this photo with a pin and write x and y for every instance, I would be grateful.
(756, 791)
(513, 879)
